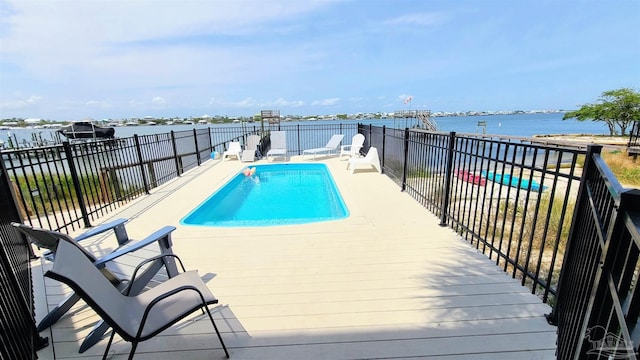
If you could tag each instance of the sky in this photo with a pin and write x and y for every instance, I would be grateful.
(113, 59)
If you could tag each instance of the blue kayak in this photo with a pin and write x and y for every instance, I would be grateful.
(507, 179)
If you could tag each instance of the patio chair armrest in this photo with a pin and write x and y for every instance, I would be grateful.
(117, 226)
(345, 147)
(147, 261)
(164, 234)
(164, 296)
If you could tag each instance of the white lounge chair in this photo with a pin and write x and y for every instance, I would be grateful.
(138, 317)
(250, 148)
(278, 145)
(353, 150)
(370, 160)
(234, 150)
(332, 145)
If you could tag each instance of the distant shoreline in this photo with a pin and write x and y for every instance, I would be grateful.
(587, 138)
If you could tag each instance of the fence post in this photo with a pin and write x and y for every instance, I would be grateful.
(195, 142)
(210, 141)
(76, 183)
(298, 130)
(447, 182)
(405, 155)
(175, 153)
(141, 163)
(581, 200)
(384, 141)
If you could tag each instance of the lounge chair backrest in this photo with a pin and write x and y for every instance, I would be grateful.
(334, 142)
(48, 239)
(76, 270)
(278, 139)
(234, 146)
(252, 142)
(372, 154)
(357, 140)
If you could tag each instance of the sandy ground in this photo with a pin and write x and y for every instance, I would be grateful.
(587, 138)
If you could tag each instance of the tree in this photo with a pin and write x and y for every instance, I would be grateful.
(617, 108)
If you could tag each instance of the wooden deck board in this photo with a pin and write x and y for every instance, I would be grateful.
(387, 282)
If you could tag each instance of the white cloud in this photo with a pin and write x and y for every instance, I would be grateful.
(326, 102)
(158, 100)
(420, 19)
(20, 103)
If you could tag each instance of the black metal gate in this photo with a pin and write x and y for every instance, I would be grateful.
(598, 294)
(20, 340)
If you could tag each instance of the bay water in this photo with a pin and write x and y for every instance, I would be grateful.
(523, 125)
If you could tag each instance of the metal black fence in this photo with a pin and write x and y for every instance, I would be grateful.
(20, 339)
(67, 186)
(510, 199)
(515, 201)
(599, 297)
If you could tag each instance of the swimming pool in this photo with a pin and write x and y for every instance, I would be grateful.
(278, 194)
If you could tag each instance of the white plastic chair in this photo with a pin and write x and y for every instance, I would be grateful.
(234, 150)
(370, 160)
(353, 150)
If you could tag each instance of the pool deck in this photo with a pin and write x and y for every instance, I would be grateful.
(386, 282)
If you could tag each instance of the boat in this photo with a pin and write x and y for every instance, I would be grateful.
(471, 177)
(86, 130)
(514, 181)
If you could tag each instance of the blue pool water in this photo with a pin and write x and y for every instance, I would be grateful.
(279, 194)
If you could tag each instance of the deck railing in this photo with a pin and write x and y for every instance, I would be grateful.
(599, 297)
(522, 223)
(67, 186)
(18, 333)
(520, 219)
(514, 201)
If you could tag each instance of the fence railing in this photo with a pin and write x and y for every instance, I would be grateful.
(511, 200)
(514, 201)
(67, 186)
(20, 339)
(599, 297)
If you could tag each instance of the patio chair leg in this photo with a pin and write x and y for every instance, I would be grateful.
(58, 311)
(106, 351)
(94, 336)
(134, 345)
(217, 331)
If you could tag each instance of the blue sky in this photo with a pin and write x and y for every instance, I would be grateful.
(68, 60)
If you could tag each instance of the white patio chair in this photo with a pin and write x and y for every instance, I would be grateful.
(278, 145)
(353, 150)
(135, 318)
(234, 150)
(370, 160)
(250, 148)
(331, 146)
